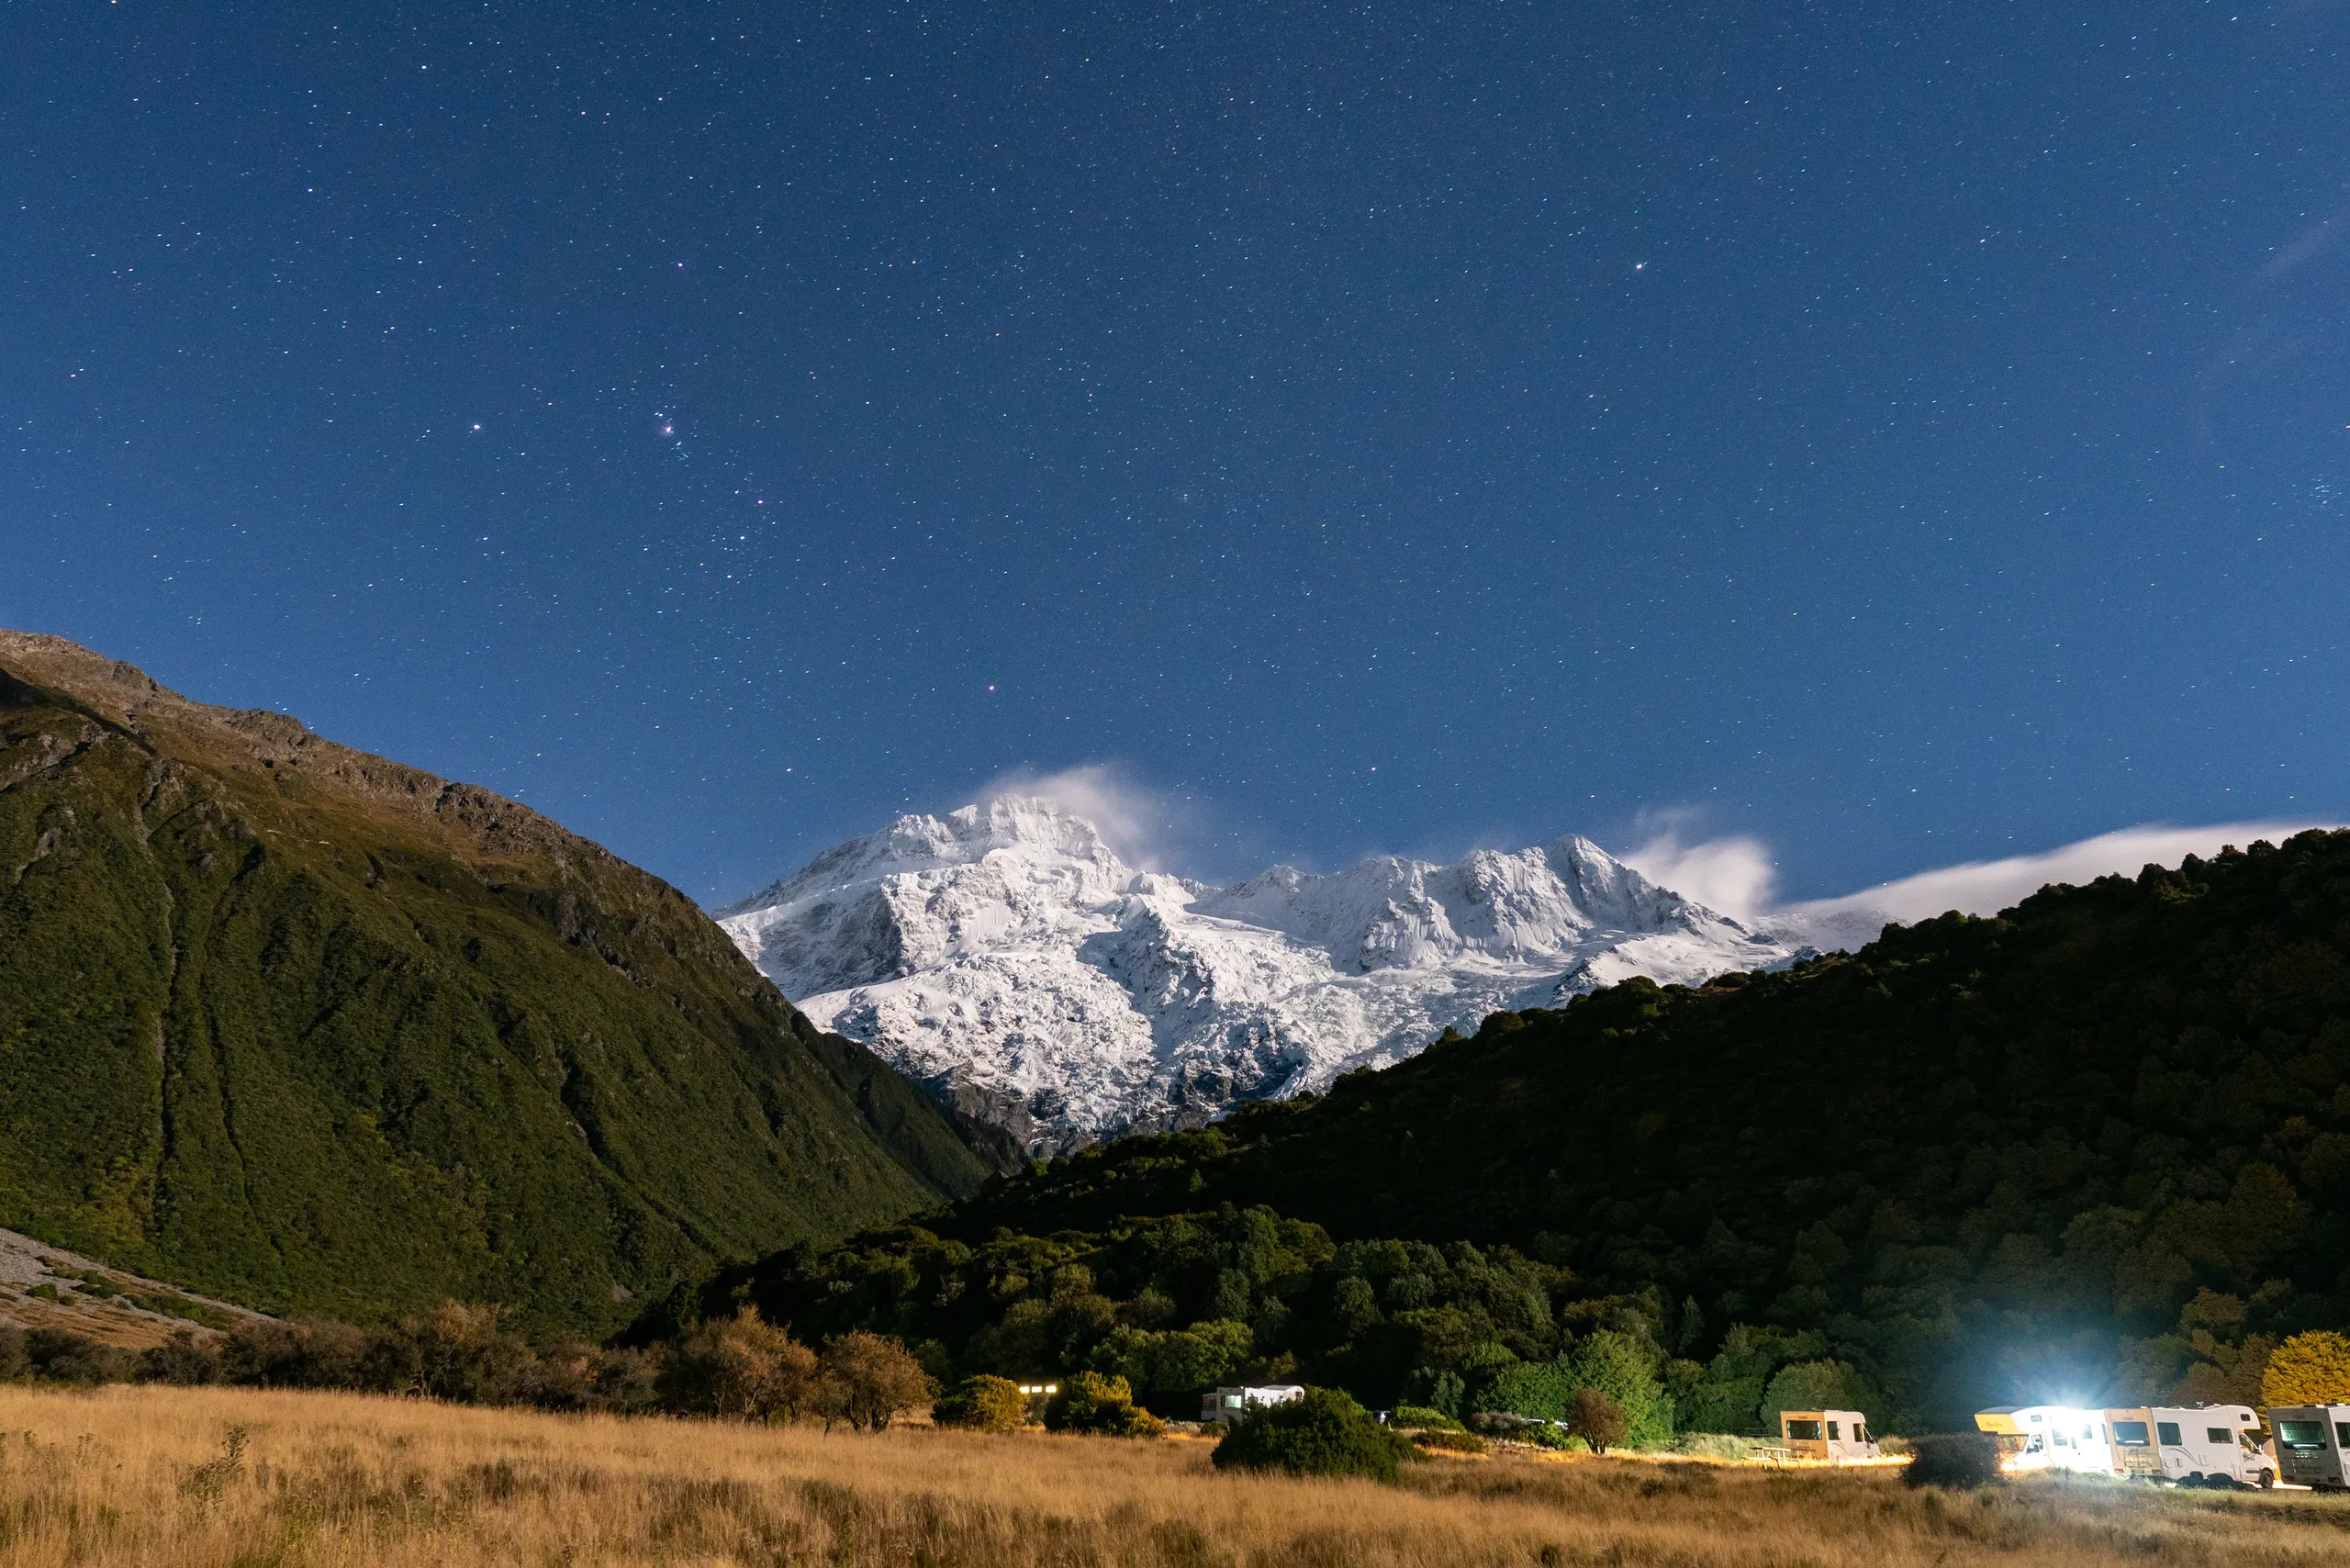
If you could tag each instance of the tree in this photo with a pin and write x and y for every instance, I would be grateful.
(983, 1402)
(1325, 1433)
(2307, 1369)
(1595, 1418)
(866, 1379)
(1541, 1390)
(1818, 1385)
(741, 1368)
(1622, 1368)
(1088, 1402)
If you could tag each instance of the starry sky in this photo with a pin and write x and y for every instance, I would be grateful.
(1901, 432)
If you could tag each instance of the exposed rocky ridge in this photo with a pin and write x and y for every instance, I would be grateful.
(48, 1287)
(314, 1030)
(1004, 955)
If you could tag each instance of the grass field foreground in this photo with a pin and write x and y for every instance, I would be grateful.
(154, 1475)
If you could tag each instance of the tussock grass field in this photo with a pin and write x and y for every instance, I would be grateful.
(241, 1479)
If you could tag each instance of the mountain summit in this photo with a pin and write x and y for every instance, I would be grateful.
(1004, 955)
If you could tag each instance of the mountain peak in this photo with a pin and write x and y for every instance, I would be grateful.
(1006, 957)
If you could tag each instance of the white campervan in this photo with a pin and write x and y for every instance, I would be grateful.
(1833, 1437)
(2312, 1444)
(2050, 1437)
(1230, 1405)
(2201, 1445)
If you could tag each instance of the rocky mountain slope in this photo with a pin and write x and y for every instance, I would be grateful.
(314, 1031)
(1006, 957)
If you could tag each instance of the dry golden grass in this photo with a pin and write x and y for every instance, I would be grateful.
(143, 1476)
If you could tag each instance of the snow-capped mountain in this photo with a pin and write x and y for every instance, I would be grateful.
(1006, 957)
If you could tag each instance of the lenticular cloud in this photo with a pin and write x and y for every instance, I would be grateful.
(1987, 887)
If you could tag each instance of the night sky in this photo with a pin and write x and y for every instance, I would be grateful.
(1905, 432)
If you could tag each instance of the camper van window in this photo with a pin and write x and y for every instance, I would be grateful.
(2342, 1433)
(2302, 1434)
(2130, 1434)
(2169, 1432)
(1834, 1435)
(2217, 1433)
(1860, 1433)
(1803, 1431)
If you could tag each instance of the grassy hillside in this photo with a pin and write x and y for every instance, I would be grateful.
(310, 1030)
(2099, 1144)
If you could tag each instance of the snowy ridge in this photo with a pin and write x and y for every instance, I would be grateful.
(1006, 957)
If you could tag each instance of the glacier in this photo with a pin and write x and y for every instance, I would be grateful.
(1004, 956)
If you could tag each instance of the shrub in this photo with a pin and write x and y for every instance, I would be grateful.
(1090, 1401)
(1325, 1433)
(182, 1359)
(1714, 1445)
(1424, 1417)
(984, 1404)
(866, 1379)
(14, 1362)
(1963, 1460)
(296, 1355)
(59, 1356)
(1450, 1442)
(1596, 1418)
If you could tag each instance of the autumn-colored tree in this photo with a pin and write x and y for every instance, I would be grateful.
(1596, 1418)
(866, 1379)
(988, 1404)
(2307, 1369)
(743, 1368)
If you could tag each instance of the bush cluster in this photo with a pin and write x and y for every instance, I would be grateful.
(1324, 1433)
(737, 1368)
(983, 1402)
(1104, 1407)
(1963, 1460)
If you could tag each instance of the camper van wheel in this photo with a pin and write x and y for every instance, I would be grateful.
(2194, 1478)
(2264, 1480)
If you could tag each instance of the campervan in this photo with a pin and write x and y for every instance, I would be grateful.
(1837, 1437)
(1230, 1405)
(2312, 1444)
(2201, 1445)
(2049, 1437)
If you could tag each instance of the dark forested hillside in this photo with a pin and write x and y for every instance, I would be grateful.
(2099, 1145)
(314, 1031)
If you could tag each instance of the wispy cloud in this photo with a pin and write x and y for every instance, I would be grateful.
(1140, 822)
(1733, 874)
(1986, 887)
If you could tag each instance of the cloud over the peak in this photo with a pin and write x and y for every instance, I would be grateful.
(1135, 820)
(1986, 887)
(1732, 874)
